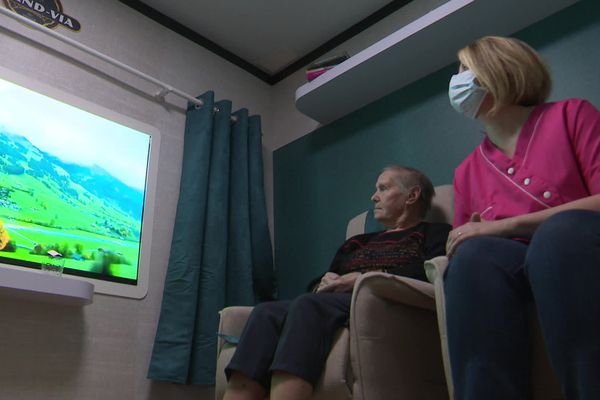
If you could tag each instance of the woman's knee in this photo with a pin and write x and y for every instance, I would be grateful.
(565, 240)
(480, 254)
(465, 265)
(485, 265)
(471, 253)
(567, 226)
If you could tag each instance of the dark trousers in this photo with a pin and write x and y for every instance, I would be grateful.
(490, 284)
(293, 336)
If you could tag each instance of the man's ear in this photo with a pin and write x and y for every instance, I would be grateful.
(413, 195)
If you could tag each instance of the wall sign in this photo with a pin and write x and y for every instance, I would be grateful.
(45, 12)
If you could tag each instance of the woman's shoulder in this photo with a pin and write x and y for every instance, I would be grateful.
(572, 104)
(573, 101)
(467, 163)
(576, 117)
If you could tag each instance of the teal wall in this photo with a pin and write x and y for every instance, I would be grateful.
(326, 177)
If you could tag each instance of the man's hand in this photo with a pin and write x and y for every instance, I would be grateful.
(332, 282)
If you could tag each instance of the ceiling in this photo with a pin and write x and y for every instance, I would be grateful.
(268, 38)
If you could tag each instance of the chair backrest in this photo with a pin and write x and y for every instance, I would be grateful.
(442, 210)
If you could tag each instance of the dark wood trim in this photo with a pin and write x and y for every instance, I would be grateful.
(196, 38)
(186, 32)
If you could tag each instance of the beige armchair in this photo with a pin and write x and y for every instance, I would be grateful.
(544, 383)
(391, 349)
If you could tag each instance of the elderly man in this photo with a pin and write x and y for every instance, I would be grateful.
(285, 343)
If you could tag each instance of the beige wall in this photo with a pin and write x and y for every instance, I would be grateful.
(101, 351)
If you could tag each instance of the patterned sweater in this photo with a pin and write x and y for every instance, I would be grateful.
(397, 252)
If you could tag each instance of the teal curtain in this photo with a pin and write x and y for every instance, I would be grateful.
(221, 248)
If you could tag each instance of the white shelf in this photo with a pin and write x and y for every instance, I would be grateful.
(414, 51)
(35, 285)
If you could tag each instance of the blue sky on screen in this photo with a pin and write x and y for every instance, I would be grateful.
(73, 135)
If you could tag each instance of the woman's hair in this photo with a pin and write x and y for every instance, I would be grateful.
(408, 177)
(509, 69)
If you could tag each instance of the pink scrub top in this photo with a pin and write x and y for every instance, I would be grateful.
(556, 160)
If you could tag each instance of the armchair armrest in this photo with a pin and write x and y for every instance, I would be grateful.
(393, 324)
(397, 289)
(434, 269)
(231, 323)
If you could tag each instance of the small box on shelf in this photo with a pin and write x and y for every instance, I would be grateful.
(321, 66)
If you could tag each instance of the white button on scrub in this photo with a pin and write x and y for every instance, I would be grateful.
(511, 171)
(527, 181)
(547, 195)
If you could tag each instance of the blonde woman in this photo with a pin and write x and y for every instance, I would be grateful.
(526, 229)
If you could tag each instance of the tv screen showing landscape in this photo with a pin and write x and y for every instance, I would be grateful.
(71, 182)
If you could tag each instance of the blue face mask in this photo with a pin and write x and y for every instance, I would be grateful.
(465, 95)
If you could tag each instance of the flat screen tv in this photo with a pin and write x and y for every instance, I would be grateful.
(75, 179)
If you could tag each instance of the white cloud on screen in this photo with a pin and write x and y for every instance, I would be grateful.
(73, 135)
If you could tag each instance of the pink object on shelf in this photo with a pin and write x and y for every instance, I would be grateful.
(313, 73)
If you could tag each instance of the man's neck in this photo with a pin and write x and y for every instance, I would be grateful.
(405, 222)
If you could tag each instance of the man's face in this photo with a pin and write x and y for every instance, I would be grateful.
(389, 199)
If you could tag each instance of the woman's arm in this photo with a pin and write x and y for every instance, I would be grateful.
(582, 123)
(518, 226)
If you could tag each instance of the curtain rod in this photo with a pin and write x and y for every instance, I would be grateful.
(165, 89)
